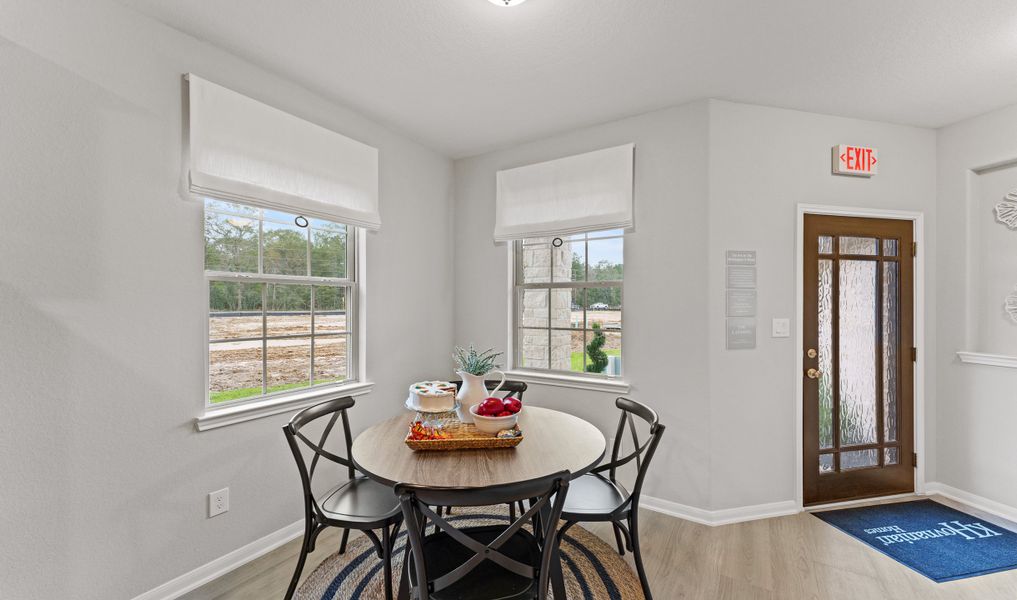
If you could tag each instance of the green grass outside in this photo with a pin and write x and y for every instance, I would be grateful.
(577, 359)
(228, 395)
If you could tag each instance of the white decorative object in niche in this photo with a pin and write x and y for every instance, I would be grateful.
(1011, 305)
(991, 337)
(1006, 211)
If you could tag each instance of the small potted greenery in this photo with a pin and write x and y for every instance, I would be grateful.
(473, 367)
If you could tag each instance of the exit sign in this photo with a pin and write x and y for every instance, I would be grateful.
(854, 160)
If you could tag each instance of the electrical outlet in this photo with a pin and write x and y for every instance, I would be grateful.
(218, 502)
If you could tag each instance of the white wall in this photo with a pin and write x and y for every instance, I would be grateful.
(763, 163)
(977, 408)
(665, 282)
(103, 300)
(710, 176)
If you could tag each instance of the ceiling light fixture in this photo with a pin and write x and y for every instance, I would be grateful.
(507, 2)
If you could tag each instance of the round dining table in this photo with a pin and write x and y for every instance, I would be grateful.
(553, 441)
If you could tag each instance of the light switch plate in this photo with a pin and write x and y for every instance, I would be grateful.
(781, 328)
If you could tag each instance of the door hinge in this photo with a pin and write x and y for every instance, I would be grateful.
(914, 249)
(914, 459)
(914, 354)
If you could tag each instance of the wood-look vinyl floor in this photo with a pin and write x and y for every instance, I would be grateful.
(785, 558)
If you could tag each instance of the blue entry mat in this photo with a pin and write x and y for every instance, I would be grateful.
(937, 541)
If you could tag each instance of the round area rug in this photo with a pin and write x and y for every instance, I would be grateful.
(593, 569)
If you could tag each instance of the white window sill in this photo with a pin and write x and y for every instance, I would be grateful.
(991, 360)
(593, 384)
(216, 417)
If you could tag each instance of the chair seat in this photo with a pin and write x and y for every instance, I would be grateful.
(592, 495)
(360, 500)
(442, 554)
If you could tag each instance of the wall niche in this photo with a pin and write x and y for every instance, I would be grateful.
(992, 266)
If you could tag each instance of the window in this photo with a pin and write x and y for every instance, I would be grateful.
(281, 296)
(568, 303)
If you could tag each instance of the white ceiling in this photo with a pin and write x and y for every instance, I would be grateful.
(465, 76)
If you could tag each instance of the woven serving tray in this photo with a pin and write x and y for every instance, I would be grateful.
(464, 436)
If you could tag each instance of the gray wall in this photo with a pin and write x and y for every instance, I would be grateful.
(103, 296)
(101, 332)
(710, 176)
(977, 411)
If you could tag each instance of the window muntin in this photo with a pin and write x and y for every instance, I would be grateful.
(568, 291)
(281, 300)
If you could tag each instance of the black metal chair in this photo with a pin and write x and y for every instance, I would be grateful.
(487, 562)
(594, 497)
(357, 503)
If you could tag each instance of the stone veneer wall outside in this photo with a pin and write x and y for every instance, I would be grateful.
(538, 257)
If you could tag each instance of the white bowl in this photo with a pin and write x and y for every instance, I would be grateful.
(493, 425)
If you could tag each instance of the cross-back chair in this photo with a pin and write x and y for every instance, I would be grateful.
(484, 562)
(599, 496)
(357, 503)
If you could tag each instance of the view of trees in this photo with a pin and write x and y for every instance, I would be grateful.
(231, 245)
(603, 270)
(230, 296)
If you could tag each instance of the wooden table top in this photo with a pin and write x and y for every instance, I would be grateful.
(553, 441)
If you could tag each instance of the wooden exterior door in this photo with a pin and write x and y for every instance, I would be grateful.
(858, 379)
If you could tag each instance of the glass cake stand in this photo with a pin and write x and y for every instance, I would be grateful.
(437, 419)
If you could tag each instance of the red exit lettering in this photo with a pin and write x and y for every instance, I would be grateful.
(854, 160)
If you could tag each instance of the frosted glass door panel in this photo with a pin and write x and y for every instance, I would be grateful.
(859, 459)
(858, 342)
(825, 244)
(891, 343)
(859, 246)
(826, 463)
(825, 357)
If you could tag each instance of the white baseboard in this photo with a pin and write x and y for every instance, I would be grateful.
(728, 516)
(224, 564)
(724, 516)
(975, 501)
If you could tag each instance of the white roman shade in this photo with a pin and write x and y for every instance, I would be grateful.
(248, 152)
(569, 195)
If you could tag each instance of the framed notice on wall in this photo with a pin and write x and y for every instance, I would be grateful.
(740, 299)
(741, 303)
(741, 334)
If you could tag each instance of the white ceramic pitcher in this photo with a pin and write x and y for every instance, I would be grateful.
(473, 392)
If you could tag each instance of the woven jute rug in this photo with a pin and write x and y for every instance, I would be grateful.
(593, 569)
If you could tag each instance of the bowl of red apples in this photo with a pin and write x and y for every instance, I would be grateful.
(494, 414)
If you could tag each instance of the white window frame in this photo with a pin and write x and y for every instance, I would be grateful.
(586, 381)
(238, 411)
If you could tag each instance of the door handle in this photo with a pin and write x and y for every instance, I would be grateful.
(813, 373)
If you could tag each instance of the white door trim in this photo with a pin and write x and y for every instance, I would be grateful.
(918, 219)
